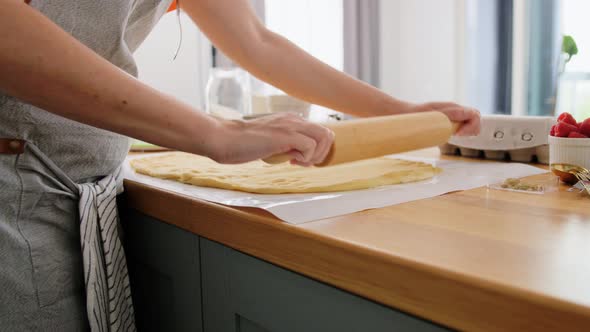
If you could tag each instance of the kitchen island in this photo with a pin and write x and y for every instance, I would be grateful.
(477, 260)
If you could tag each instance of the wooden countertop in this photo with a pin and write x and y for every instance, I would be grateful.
(475, 260)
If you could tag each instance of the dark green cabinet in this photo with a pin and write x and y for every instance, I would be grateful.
(181, 282)
(164, 270)
(242, 293)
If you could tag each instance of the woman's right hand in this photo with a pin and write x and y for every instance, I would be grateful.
(242, 141)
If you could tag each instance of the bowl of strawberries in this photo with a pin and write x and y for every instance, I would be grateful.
(569, 143)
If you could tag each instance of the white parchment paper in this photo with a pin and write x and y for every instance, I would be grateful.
(301, 208)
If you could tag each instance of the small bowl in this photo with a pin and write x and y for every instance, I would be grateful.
(569, 152)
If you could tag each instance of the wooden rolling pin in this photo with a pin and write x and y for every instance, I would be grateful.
(380, 136)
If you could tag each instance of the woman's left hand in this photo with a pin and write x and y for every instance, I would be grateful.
(468, 117)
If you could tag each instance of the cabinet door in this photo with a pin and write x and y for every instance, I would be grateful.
(164, 273)
(242, 293)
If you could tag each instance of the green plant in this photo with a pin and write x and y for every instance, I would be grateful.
(569, 47)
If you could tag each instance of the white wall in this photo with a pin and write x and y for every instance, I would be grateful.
(422, 44)
(185, 77)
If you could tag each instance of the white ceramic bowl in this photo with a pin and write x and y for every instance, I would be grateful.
(573, 151)
(262, 104)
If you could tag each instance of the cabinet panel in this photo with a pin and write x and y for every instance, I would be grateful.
(164, 272)
(246, 325)
(242, 293)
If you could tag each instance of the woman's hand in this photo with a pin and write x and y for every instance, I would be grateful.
(468, 117)
(242, 141)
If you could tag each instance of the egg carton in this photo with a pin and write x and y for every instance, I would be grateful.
(538, 154)
(506, 137)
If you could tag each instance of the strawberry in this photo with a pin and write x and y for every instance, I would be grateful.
(562, 129)
(552, 132)
(567, 118)
(585, 127)
(575, 134)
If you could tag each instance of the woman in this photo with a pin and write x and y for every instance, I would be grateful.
(69, 94)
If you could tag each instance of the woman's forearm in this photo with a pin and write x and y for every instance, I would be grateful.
(43, 65)
(281, 63)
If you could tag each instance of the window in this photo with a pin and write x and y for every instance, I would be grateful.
(574, 84)
(543, 56)
(539, 86)
(488, 55)
(500, 56)
(315, 26)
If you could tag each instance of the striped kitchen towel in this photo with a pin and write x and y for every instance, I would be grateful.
(108, 295)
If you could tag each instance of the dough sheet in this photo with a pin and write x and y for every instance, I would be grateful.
(259, 177)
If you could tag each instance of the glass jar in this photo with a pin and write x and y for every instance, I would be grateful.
(228, 93)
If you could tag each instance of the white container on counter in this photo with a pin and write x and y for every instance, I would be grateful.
(262, 104)
(573, 151)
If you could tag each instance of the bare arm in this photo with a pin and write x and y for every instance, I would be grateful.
(43, 65)
(233, 27)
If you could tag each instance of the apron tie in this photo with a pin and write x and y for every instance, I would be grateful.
(109, 304)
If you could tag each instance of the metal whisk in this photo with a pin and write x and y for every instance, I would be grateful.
(584, 178)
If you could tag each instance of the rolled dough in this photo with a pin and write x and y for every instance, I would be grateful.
(259, 177)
